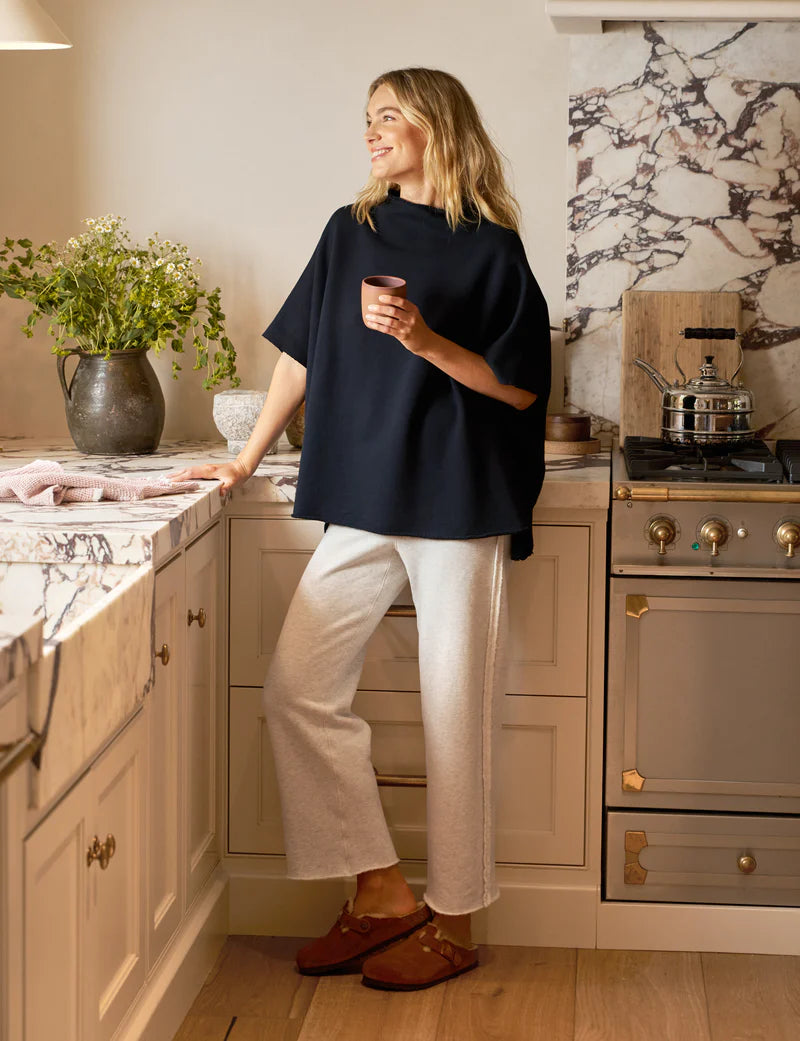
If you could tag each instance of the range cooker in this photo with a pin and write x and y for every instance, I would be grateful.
(702, 783)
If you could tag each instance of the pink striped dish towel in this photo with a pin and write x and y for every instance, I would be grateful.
(43, 483)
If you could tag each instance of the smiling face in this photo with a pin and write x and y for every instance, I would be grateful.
(396, 146)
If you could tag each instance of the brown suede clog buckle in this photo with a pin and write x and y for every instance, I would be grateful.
(420, 961)
(352, 938)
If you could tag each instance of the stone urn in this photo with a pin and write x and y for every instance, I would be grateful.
(114, 404)
(235, 413)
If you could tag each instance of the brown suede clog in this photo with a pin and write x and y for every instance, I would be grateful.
(352, 938)
(422, 960)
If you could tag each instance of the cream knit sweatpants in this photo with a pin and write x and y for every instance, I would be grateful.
(332, 815)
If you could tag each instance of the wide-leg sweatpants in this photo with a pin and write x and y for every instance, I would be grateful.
(333, 820)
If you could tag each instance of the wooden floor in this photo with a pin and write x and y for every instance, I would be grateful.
(254, 993)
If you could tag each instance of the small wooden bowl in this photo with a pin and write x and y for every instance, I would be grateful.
(568, 426)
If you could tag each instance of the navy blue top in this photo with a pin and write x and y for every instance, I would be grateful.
(392, 444)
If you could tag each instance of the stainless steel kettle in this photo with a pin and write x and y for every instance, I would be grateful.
(707, 409)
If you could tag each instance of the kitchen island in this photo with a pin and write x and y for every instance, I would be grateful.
(129, 583)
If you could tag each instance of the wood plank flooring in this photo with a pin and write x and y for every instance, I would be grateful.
(254, 993)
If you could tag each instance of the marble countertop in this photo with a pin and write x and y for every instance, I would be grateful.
(147, 531)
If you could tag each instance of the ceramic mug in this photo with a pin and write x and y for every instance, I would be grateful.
(380, 285)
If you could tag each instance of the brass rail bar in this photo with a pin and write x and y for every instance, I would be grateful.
(16, 754)
(401, 781)
(703, 493)
(402, 611)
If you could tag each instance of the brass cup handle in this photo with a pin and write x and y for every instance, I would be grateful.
(662, 531)
(200, 617)
(714, 533)
(163, 654)
(788, 537)
(747, 864)
(102, 851)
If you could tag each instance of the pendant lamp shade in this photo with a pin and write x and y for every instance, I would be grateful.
(24, 26)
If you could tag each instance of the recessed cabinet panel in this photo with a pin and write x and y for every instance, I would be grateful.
(539, 775)
(549, 624)
(703, 858)
(202, 606)
(84, 927)
(56, 885)
(541, 778)
(254, 815)
(267, 559)
(116, 951)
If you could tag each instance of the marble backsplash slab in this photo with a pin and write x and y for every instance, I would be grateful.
(685, 161)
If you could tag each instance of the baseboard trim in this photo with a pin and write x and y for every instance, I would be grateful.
(727, 928)
(176, 980)
(524, 916)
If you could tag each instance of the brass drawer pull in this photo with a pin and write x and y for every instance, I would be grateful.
(200, 617)
(400, 780)
(163, 654)
(747, 864)
(402, 611)
(102, 851)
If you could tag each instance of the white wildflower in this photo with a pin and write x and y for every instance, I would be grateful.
(72, 243)
(159, 262)
(170, 267)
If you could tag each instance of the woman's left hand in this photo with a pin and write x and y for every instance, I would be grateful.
(400, 318)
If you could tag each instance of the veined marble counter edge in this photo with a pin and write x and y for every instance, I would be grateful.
(148, 531)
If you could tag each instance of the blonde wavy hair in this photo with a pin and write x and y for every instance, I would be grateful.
(460, 160)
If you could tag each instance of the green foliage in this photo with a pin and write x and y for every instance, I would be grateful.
(100, 293)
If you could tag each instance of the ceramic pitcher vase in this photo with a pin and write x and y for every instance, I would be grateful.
(114, 405)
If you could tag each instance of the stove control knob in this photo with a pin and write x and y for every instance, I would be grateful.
(788, 536)
(661, 530)
(715, 534)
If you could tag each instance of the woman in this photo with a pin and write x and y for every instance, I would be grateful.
(423, 453)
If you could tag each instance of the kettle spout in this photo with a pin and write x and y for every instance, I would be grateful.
(654, 374)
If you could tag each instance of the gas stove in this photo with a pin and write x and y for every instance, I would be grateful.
(706, 511)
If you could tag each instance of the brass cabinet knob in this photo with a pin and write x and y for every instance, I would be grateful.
(662, 530)
(102, 851)
(747, 864)
(715, 534)
(163, 654)
(788, 536)
(200, 617)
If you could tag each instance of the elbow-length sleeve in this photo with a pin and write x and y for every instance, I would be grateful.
(517, 341)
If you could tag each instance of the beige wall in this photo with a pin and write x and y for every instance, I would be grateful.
(236, 128)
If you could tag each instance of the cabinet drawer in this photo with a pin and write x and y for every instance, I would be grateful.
(539, 776)
(548, 596)
(700, 858)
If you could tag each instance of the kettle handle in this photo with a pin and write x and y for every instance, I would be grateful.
(712, 334)
(61, 361)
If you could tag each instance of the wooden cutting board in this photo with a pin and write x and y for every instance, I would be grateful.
(651, 327)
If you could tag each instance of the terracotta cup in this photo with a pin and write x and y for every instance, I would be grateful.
(380, 285)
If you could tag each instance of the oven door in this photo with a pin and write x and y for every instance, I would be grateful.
(704, 695)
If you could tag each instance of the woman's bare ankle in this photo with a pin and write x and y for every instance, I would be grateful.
(383, 891)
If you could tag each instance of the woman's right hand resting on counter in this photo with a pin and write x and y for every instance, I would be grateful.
(229, 474)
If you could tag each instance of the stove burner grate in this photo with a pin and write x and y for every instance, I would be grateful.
(650, 459)
(788, 452)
